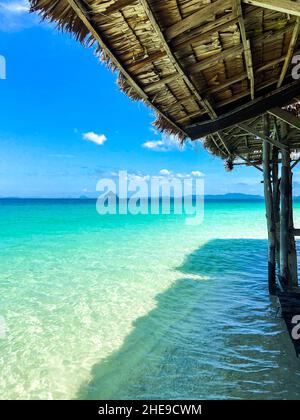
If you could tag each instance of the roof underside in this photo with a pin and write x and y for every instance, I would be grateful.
(203, 65)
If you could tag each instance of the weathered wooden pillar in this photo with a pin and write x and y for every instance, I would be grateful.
(267, 149)
(284, 218)
(276, 202)
(292, 252)
(288, 255)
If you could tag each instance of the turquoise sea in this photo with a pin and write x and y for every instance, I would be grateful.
(131, 307)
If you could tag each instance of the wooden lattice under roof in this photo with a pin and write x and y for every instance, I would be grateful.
(205, 66)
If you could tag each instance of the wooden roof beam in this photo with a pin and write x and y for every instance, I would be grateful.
(247, 47)
(222, 139)
(248, 161)
(203, 15)
(263, 137)
(287, 117)
(217, 145)
(82, 11)
(204, 102)
(290, 53)
(284, 6)
(252, 109)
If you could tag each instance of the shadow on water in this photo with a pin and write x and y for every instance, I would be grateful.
(214, 334)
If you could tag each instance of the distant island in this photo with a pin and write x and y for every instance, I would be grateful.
(229, 196)
(234, 197)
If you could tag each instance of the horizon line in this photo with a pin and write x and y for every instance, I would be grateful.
(151, 197)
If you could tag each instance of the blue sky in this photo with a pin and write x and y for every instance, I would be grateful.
(64, 123)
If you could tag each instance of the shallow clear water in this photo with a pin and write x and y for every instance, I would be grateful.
(139, 306)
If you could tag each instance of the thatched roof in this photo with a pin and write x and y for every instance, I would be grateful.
(198, 63)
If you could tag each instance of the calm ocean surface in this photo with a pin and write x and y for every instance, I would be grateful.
(134, 307)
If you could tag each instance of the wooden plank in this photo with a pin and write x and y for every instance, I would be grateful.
(287, 117)
(283, 6)
(203, 15)
(84, 14)
(252, 109)
(290, 53)
(214, 59)
(263, 137)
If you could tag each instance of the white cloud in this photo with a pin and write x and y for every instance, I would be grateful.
(197, 174)
(153, 145)
(165, 172)
(98, 139)
(166, 144)
(15, 7)
(14, 15)
(181, 175)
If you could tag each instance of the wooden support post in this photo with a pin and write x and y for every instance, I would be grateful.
(284, 217)
(288, 255)
(267, 149)
(293, 260)
(276, 201)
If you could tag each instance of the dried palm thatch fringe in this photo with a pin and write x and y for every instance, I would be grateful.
(211, 146)
(127, 88)
(106, 59)
(162, 125)
(68, 21)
